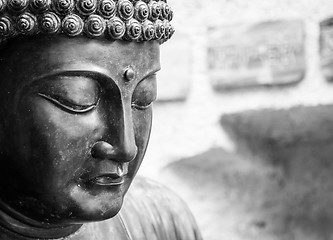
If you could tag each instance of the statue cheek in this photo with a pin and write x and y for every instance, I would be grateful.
(70, 125)
(54, 142)
(142, 127)
(142, 122)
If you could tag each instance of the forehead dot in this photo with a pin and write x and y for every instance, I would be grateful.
(129, 74)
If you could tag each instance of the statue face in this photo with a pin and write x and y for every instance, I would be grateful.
(75, 123)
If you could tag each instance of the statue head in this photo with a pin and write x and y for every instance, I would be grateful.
(78, 78)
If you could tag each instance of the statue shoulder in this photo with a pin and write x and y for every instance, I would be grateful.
(152, 211)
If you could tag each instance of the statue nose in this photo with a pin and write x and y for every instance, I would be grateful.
(104, 150)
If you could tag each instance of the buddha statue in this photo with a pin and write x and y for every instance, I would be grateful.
(78, 79)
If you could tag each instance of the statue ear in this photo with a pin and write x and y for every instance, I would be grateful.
(3, 127)
(2, 137)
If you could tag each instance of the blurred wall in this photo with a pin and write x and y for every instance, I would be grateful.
(188, 127)
(188, 133)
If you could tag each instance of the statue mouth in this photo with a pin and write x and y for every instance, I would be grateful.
(108, 180)
(113, 176)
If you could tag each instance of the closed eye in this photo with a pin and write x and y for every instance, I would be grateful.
(141, 107)
(145, 93)
(67, 105)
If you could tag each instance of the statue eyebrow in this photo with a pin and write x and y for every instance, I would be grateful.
(96, 75)
(150, 73)
(99, 74)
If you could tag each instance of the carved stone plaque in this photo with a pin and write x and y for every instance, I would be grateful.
(326, 48)
(266, 53)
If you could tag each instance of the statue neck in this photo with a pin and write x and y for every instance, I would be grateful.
(16, 226)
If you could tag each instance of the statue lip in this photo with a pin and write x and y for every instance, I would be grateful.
(110, 179)
(110, 175)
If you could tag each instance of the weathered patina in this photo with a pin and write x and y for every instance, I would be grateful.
(78, 79)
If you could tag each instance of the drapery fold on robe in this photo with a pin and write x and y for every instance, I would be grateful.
(151, 211)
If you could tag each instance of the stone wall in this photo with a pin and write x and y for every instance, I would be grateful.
(243, 176)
